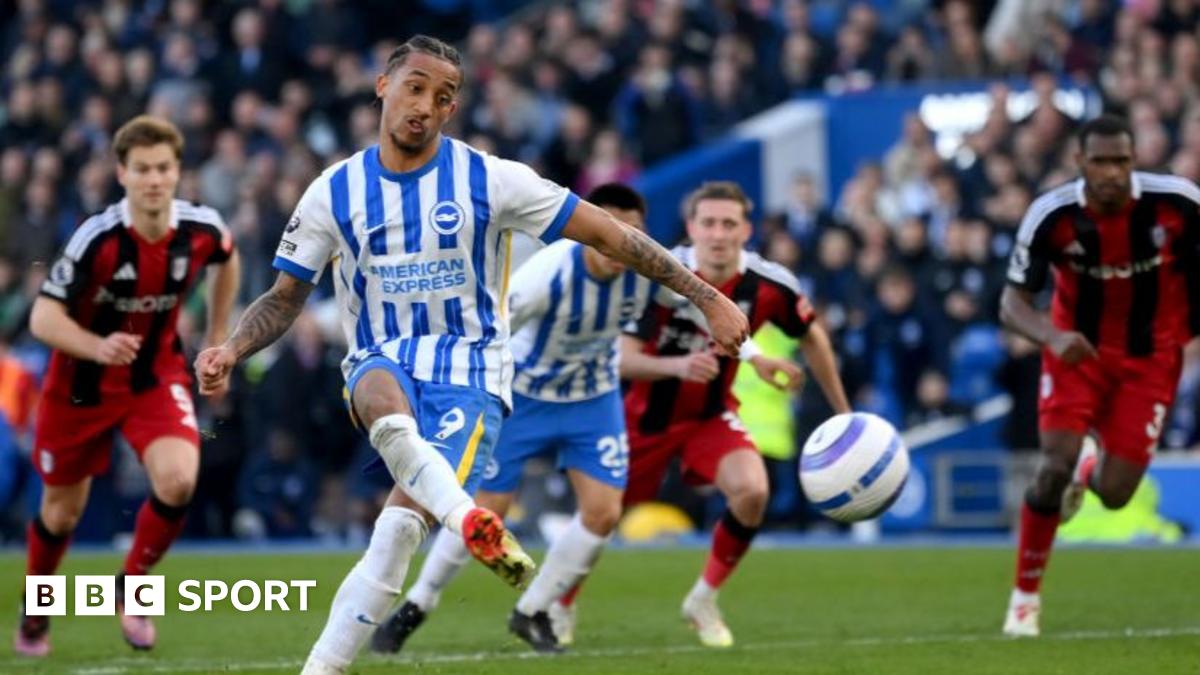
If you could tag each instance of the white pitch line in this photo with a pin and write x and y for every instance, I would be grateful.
(140, 665)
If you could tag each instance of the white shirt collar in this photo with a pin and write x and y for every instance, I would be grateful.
(127, 215)
(1135, 189)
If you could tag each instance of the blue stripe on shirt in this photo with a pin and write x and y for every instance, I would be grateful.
(441, 358)
(545, 326)
(478, 179)
(445, 190)
(578, 272)
(339, 197)
(420, 328)
(410, 197)
(295, 269)
(535, 385)
(554, 231)
(602, 306)
(376, 230)
(391, 326)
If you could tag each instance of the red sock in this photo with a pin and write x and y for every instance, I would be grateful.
(157, 526)
(568, 598)
(730, 541)
(44, 549)
(1033, 549)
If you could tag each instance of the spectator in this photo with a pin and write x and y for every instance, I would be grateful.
(654, 110)
(806, 217)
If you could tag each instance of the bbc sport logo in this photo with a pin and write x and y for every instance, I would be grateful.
(146, 595)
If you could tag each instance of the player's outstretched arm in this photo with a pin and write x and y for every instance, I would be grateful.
(50, 323)
(262, 323)
(818, 351)
(1018, 314)
(595, 227)
(222, 291)
(638, 365)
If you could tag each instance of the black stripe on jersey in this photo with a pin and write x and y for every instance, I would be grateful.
(1186, 251)
(663, 394)
(142, 375)
(1090, 290)
(745, 296)
(1144, 303)
(85, 384)
(1190, 259)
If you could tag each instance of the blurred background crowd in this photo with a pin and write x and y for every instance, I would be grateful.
(906, 261)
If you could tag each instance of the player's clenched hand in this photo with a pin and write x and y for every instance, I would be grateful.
(1071, 347)
(768, 370)
(726, 324)
(118, 349)
(212, 369)
(698, 367)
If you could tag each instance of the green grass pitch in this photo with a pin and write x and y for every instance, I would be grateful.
(868, 610)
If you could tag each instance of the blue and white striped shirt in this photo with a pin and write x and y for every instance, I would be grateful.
(566, 324)
(421, 259)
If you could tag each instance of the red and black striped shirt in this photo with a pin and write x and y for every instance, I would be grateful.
(765, 291)
(1129, 281)
(112, 279)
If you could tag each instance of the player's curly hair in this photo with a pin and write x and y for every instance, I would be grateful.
(143, 131)
(424, 44)
(717, 189)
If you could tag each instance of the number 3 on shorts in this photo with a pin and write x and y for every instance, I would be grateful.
(1154, 428)
(184, 401)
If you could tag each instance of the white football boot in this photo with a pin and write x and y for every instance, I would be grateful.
(1023, 612)
(702, 612)
(562, 621)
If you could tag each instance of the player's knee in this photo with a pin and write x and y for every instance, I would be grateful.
(749, 503)
(1053, 477)
(601, 519)
(373, 401)
(175, 490)
(60, 518)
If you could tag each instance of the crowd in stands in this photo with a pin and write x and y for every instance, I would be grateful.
(907, 261)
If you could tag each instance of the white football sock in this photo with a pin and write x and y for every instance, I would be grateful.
(446, 557)
(1020, 597)
(570, 559)
(702, 591)
(369, 590)
(420, 470)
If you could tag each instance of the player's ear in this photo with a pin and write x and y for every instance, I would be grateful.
(121, 173)
(381, 83)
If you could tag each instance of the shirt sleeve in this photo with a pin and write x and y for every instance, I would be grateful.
(1029, 262)
(528, 203)
(794, 315)
(72, 270)
(310, 236)
(222, 245)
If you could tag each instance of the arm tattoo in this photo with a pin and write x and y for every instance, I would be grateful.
(269, 317)
(651, 260)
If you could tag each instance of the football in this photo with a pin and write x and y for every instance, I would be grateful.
(853, 466)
